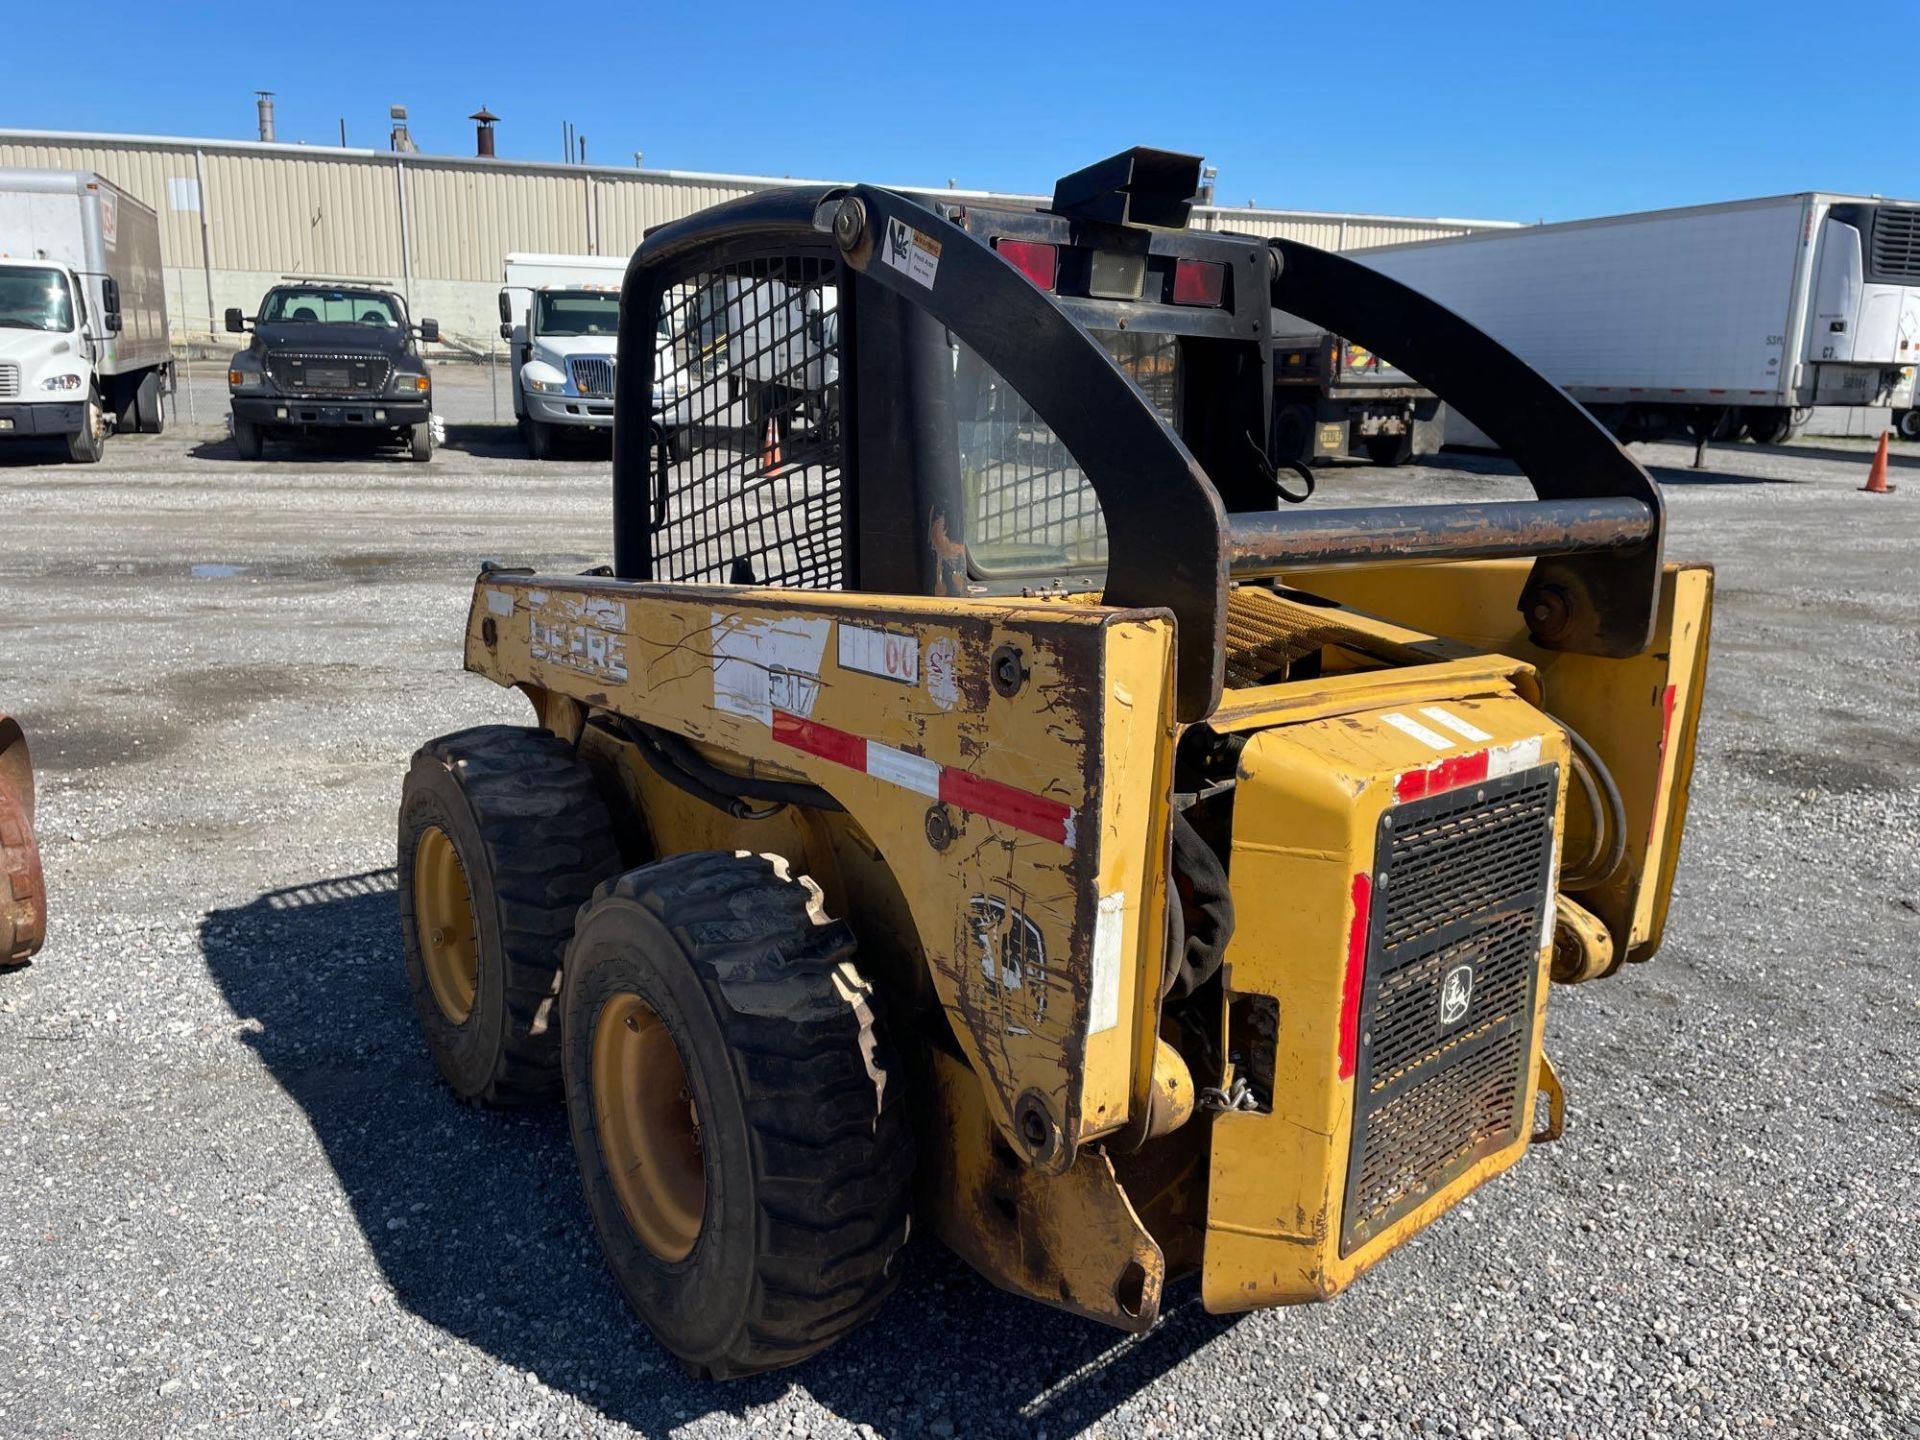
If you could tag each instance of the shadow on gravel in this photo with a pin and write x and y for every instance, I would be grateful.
(476, 1220)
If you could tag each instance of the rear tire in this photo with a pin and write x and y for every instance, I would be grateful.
(89, 443)
(1769, 425)
(420, 441)
(511, 818)
(757, 1213)
(246, 438)
(1293, 434)
(1907, 423)
(1390, 449)
(147, 415)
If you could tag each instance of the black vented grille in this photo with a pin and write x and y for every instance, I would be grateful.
(317, 374)
(1896, 243)
(1460, 895)
(592, 374)
(747, 391)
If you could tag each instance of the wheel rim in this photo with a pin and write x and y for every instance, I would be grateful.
(443, 916)
(649, 1127)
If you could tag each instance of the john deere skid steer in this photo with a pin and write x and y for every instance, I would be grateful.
(978, 797)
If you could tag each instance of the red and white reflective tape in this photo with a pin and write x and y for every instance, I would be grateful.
(1453, 771)
(1036, 814)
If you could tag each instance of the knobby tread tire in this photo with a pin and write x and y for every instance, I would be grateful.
(792, 1048)
(536, 844)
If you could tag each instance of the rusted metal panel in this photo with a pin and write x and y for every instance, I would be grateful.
(1273, 543)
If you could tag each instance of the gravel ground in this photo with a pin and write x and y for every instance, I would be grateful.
(235, 1201)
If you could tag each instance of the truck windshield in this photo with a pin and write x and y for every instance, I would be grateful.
(576, 312)
(34, 298)
(330, 307)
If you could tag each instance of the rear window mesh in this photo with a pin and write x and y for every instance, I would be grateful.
(1896, 243)
(747, 392)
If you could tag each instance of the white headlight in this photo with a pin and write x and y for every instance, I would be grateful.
(61, 382)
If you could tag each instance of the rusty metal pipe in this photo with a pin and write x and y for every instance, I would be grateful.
(1271, 543)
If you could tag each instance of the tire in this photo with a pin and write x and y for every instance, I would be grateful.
(246, 438)
(1390, 449)
(1768, 425)
(89, 443)
(539, 437)
(1293, 434)
(420, 441)
(795, 1119)
(23, 888)
(1907, 424)
(147, 413)
(679, 445)
(519, 825)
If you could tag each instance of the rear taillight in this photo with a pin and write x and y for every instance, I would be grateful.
(1039, 263)
(1199, 282)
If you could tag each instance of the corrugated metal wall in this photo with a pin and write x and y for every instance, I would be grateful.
(274, 210)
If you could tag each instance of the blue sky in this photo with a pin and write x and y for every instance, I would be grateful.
(1541, 111)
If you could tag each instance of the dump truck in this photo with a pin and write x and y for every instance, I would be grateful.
(1335, 400)
(1003, 815)
(84, 346)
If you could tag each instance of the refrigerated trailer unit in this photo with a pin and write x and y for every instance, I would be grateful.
(84, 349)
(1714, 320)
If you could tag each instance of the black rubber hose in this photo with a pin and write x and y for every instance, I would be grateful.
(678, 763)
(1616, 814)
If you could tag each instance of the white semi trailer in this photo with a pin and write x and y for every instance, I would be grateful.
(84, 348)
(1708, 321)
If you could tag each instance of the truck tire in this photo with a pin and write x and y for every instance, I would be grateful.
(539, 438)
(1907, 423)
(147, 415)
(87, 444)
(420, 440)
(1390, 449)
(1293, 434)
(23, 888)
(738, 1116)
(246, 438)
(1770, 425)
(502, 838)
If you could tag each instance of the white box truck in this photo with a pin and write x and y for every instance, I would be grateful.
(560, 314)
(1708, 321)
(84, 349)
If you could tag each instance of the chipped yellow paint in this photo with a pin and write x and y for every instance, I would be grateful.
(1307, 809)
(713, 664)
(1617, 705)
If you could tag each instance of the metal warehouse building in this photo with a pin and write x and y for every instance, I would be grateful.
(237, 216)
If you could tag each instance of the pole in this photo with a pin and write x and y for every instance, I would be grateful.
(343, 132)
(206, 254)
(1700, 450)
(493, 381)
(406, 239)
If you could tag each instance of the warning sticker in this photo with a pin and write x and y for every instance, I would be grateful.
(880, 652)
(912, 253)
(765, 665)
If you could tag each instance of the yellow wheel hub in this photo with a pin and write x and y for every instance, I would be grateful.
(649, 1129)
(443, 915)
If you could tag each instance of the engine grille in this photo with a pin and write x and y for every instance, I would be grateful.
(1460, 897)
(9, 380)
(1896, 243)
(322, 374)
(592, 374)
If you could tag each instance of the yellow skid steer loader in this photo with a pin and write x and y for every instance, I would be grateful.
(977, 795)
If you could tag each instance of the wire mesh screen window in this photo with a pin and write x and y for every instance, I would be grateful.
(1030, 508)
(747, 393)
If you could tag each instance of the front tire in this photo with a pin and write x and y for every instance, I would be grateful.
(737, 1113)
(502, 837)
(420, 441)
(89, 443)
(246, 438)
(540, 438)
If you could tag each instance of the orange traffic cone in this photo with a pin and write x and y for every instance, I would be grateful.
(1877, 476)
(770, 460)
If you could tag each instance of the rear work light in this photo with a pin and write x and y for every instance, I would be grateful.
(1039, 263)
(1199, 282)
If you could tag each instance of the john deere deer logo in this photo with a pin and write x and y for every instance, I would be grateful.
(1456, 994)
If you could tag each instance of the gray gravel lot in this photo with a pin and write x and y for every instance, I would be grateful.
(234, 1201)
